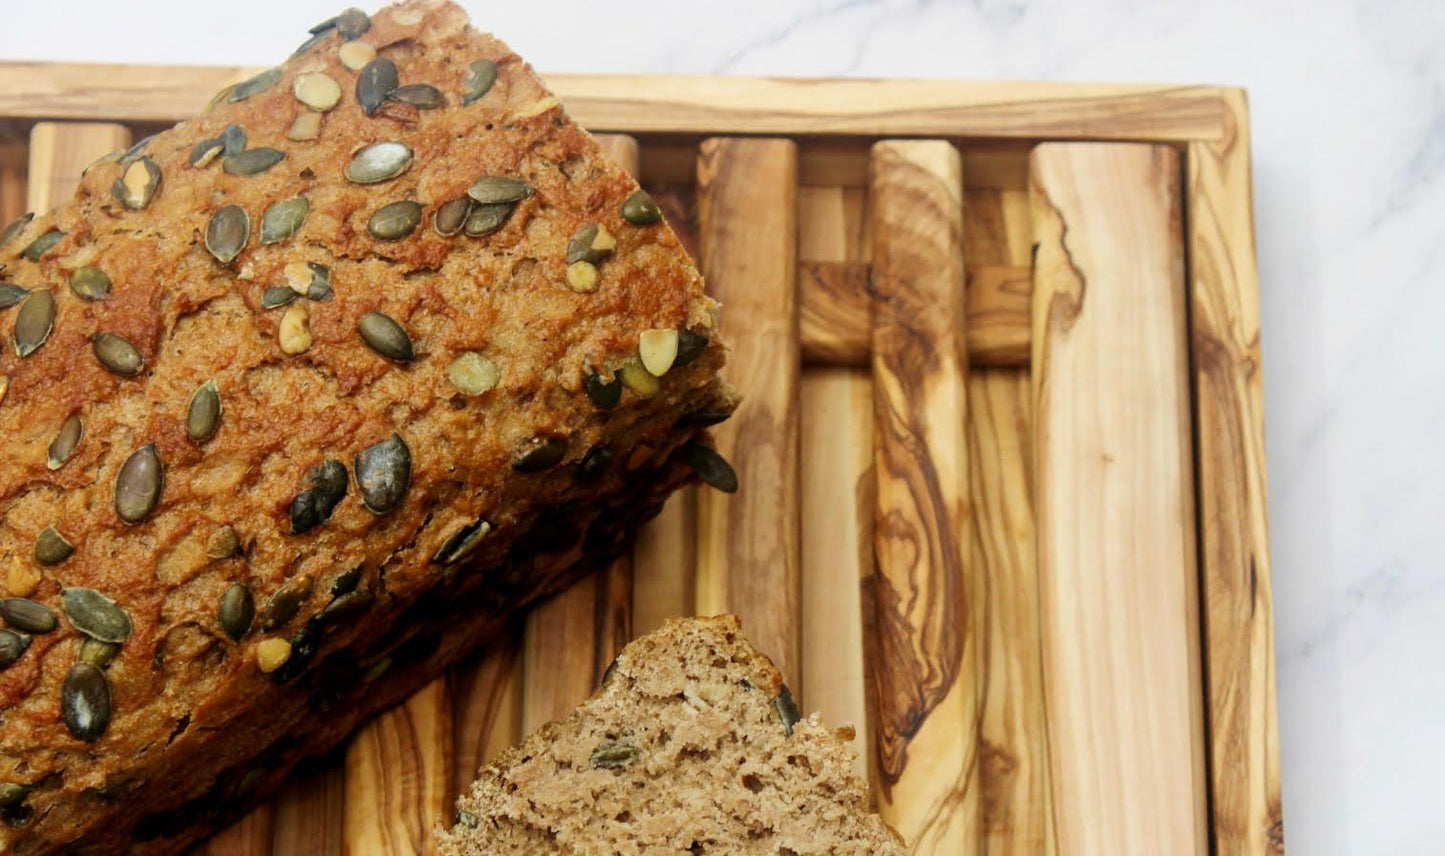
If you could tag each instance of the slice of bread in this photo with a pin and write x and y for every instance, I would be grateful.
(693, 744)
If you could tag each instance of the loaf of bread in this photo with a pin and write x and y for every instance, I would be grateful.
(298, 399)
(693, 744)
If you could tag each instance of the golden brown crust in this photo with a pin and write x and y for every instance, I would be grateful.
(179, 680)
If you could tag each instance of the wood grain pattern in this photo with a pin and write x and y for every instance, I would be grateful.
(664, 564)
(1116, 547)
(747, 543)
(308, 814)
(1233, 498)
(59, 151)
(925, 649)
(249, 836)
(486, 705)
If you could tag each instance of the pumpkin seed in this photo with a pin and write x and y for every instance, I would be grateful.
(136, 187)
(395, 221)
(481, 74)
(293, 332)
(376, 81)
(582, 277)
(206, 151)
(66, 442)
(224, 543)
(398, 111)
(543, 454)
(11, 294)
(227, 233)
(277, 296)
(90, 283)
(611, 754)
(15, 227)
(712, 467)
(608, 674)
(233, 139)
(34, 322)
(98, 653)
(272, 654)
(640, 210)
(591, 243)
(690, 345)
(306, 127)
(450, 218)
(51, 548)
(346, 606)
(285, 604)
(283, 218)
(311, 42)
(351, 24)
(423, 96)
(594, 464)
(787, 710)
(96, 615)
(118, 354)
(638, 379)
(134, 152)
(605, 395)
(704, 418)
(383, 473)
(260, 83)
(238, 610)
(85, 702)
(252, 161)
(346, 582)
(473, 373)
(317, 90)
(27, 616)
(491, 189)
(12, 647)
(462, 543)
(320, 287)
(658, 350)
(384, 335)
(41, 245)
(379, 162)
(303, 648)
(138, 485)
(467, 819)
(486, 219)
(355, 55)
(203, 417)
(313, 506)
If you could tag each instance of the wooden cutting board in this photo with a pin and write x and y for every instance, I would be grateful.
(1002, 453)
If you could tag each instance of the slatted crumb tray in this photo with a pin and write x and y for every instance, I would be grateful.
(1002, 453)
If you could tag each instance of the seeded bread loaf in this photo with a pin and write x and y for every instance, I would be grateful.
(693, 744)
(299, 398)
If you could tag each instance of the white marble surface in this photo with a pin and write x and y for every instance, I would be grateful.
(1348, 101)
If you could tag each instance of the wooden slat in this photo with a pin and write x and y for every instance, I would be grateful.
(747, 554)
(308, 813)
(249, 836)
(59, 151)
(1116, 545)
(925, 652)
(487, 706)
(664, 562)
(1234, 530)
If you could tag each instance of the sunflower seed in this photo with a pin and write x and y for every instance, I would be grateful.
(461, 543)
(118, 354)
(97, 653)
(260, 83)
(355, 55)
(787, 710)
(712, 467)
(423, 96)
(293, 333)
(51, 548)
(206, 151)
(395, 221)
(283, 218)
(306, 127)
(227, 233)
(317, 90)
(238, 610)
(658, 350)
(285, 604)
(486, 219)
(272, 654)
(34, 322)
(134, 152)
(233, 139)
(582, 277)
(346, 606)
(640, 210)
(15, 227)
(383, 473)
(594, 464)
(376, 81)
(542, 454)
(379, 162)
(96, 615)
(27, 616)
(480, 77)
(41, 245)
(611, 754)
(90, 283)
(252, 161)
(85, 702)
(11, 294)
(491, 189)
(637, 378)
(591, 243)
(604, 395)
(313, 506)
(346, 582)
(203, 417)
(136, 187)
(66, 442)
(690, 345)
(12, 646)
(473, 373)
(224, 543)
(277, 296)
(384, 335)
(138, 485)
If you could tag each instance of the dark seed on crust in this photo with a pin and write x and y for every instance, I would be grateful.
(461, 544)
(690, 346)
(42, 245)
(12, 646)
(383, 473)
(604, 395)
(96, 615)
(346, 606)
(450, 218)
(481, 75)
(51, 548)
(640, 210)
(137, 185)
(34, 322)
(282, 219)
(787, 710)
(386, 336)
(303, 649)
(704, 418)
(611, 754)
(252, 161)
(138, 485)
(541, 454)
(227, 233)
(591, 243)
(238, 610)
(346, 581)
(320, 287)
(311, 42)
(260, 83)
(284, 605)
(376, 81)
(224, 543)
(594, 464)
(277, 296)
(118, 355)
(11, 294)
(28, 616)
(395, 221)
(352, 24)
(206, 151)
(15, 227)
(233, 140)
(314, 505)
(712, 467)
(609, 673)
(85, 702)
(486, 219)
(203, 417)
(90, 283)
(491, 189)
(98, 653)
(133, 153)
(423, 96)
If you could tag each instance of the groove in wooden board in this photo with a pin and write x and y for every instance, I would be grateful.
(1013, 768)
(925, 669)
(664, 561)
(487, 705)
(1115, 519)
(837, 546)
(747, 552)
(249, 836)
(59, 151)
(12, 193)
(399, 776)
(308, 813)
(1233, 499)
